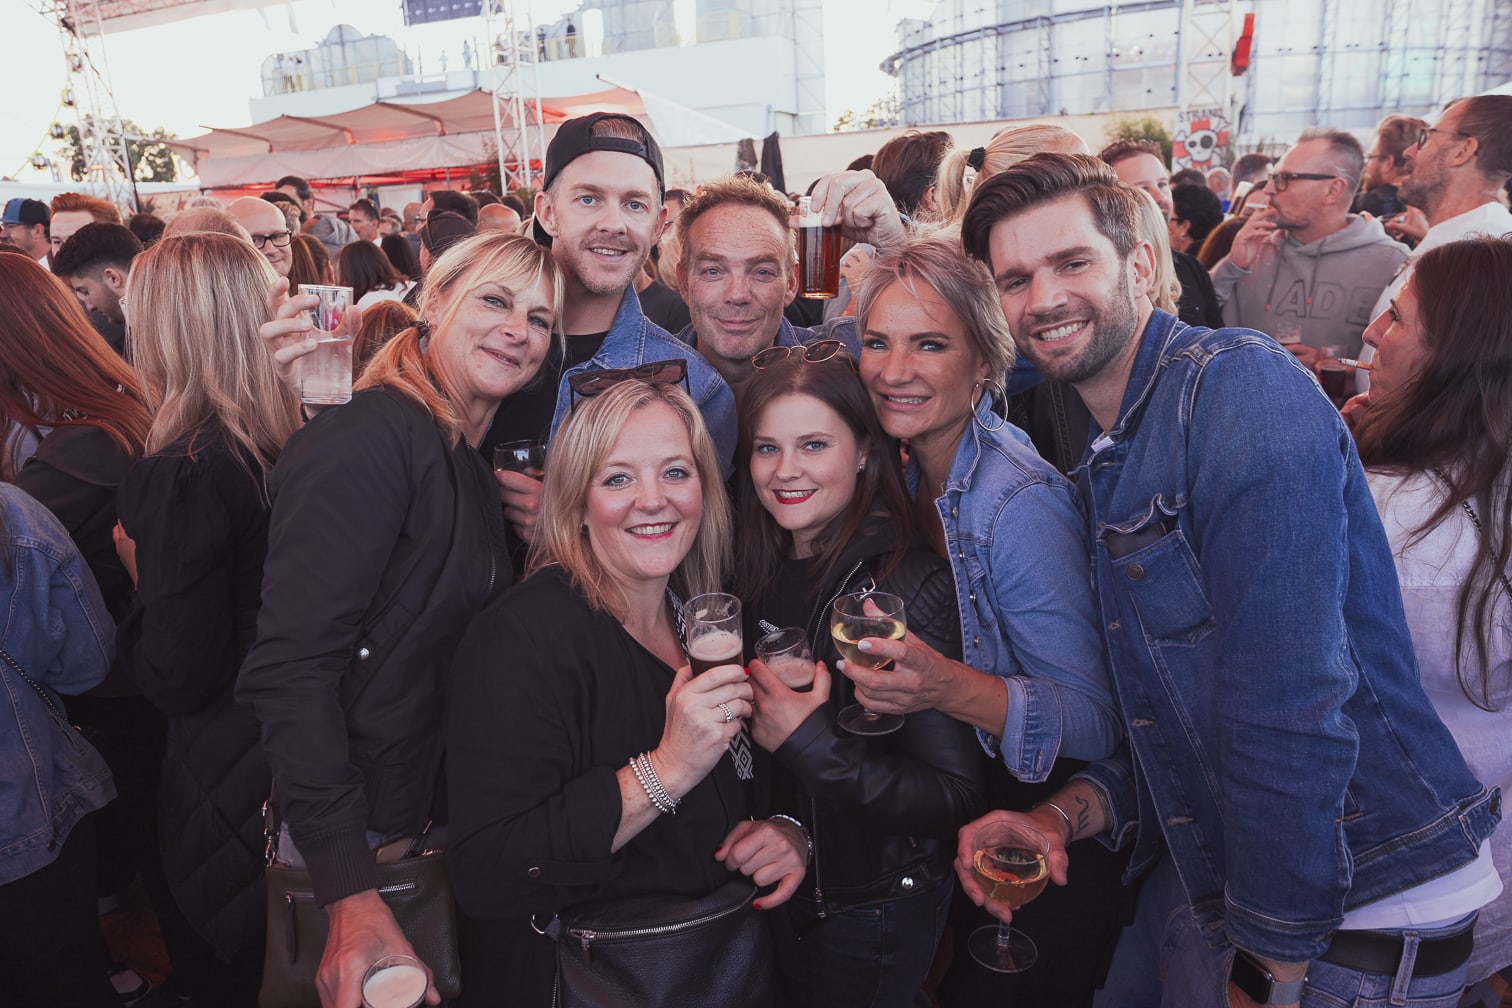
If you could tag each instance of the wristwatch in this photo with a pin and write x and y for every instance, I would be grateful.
(1260, 984)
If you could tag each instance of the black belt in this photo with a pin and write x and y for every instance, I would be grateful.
(1380, 952)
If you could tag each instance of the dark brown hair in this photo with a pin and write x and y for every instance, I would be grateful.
(907, 165)
(1455, 417)
(762, 543)
(1044, 178)
(364, 267)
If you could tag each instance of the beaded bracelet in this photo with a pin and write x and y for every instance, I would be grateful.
(808, 838)
(645, 772)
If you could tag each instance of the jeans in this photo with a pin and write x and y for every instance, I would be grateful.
(1165, 961)
(870, 957)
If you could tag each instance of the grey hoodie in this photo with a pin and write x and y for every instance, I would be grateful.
(1322, 291)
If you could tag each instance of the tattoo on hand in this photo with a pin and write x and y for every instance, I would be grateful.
(1083, 814)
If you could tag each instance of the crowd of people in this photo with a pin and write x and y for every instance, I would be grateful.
(1228, 629)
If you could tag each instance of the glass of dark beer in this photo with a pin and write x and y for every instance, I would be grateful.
(818, 254)
(711, 627)
(1337, 378)
(528, 457)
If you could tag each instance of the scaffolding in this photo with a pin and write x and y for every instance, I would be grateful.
(515, 74)
(102, 137)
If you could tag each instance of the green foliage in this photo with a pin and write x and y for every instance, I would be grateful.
(150, 161)
(1146, 128)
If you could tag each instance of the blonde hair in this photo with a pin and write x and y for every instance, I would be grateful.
(1165, 288)
(197, 301)
(1008, 147)
(488, 257)
(936, 260)
(578, 452)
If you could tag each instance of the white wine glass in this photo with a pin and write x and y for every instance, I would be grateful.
(854, 618)
(1009, 861)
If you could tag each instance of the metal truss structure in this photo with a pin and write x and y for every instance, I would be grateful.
(102, 138)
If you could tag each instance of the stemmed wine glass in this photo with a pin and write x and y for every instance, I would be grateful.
(1009, 862)
(851, 623)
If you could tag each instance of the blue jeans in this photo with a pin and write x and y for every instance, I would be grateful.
(872, 957)
(1164, 960)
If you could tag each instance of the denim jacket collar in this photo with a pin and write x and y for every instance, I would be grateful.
(1159, 331)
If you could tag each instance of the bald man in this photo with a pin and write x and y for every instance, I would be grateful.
(498, 217)
(269, 230)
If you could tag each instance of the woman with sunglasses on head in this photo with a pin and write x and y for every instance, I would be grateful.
(586, 762)
(1033, 680)
(824, 513)
(1435, 435)
(386, 537)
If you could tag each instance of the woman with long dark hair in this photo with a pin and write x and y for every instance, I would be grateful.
(363, 267)
(824, 513)
(194, 527)
(1436, 439)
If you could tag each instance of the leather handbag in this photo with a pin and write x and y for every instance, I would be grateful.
(665, 952)
(417, 890)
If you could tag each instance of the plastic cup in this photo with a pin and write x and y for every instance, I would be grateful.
(396, 981)
(325, 375)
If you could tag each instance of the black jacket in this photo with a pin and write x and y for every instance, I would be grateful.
(384, 542)
(883, 810)
(198, 515)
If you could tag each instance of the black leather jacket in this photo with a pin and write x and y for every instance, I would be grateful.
(883, 810)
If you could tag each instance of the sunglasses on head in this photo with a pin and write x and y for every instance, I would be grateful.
(588, 384)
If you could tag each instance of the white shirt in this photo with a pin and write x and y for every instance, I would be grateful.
(1489, 219)
(1431, 571)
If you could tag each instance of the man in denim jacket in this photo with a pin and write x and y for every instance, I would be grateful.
(1311, 833)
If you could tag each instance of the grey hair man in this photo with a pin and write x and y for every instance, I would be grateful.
(1305, 270)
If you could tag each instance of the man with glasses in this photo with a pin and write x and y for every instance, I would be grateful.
(1452, 173)
(25, 223)
(269, 230)
(1306, 271)
(1385, 167)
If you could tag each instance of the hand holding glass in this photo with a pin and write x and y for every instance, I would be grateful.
(325, 375)
(528, 457)
(1009, 862)
(396, 981)
(854, 618)
(712, 625)
(786, 653)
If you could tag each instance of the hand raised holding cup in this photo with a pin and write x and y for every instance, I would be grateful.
(325, 376)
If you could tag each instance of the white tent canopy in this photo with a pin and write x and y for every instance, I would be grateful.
(396, 135)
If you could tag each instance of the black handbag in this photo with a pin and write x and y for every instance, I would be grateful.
(417, 890)
(665, 952)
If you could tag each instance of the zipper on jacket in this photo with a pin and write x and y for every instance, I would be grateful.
(813, 627)
(818, 880)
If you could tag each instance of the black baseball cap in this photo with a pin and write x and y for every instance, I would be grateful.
(31, 212)
(574, 138)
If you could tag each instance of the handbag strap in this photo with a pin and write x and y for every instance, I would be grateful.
(46, 697)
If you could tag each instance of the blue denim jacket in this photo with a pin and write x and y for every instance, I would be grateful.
(1280, 744)
(58, 630)
(633, 340)
(1017, 546)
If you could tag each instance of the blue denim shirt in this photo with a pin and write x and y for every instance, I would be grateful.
(58, 630)
(633, 340)
(1017, 545)
(1280, 744)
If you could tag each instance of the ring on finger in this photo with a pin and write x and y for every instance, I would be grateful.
(728, 715)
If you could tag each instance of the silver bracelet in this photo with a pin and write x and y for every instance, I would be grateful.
(1070, 829)
(645, 772)
(808, 838)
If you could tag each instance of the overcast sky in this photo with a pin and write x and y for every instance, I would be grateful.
(202, 72)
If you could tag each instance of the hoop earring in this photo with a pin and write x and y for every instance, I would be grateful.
(985, 387)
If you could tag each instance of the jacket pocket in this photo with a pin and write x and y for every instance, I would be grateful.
(1163, 581)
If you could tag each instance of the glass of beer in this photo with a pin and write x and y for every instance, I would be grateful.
(786, 653)
(854, 618)
(1336, 377)
(1009, 861)
(325, 374)
(528, 457)
(818, 254)
(711, 624)
(395, 981)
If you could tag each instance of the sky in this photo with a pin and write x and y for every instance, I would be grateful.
(202, 72)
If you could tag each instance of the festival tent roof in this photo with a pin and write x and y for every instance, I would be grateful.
(393, 135)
